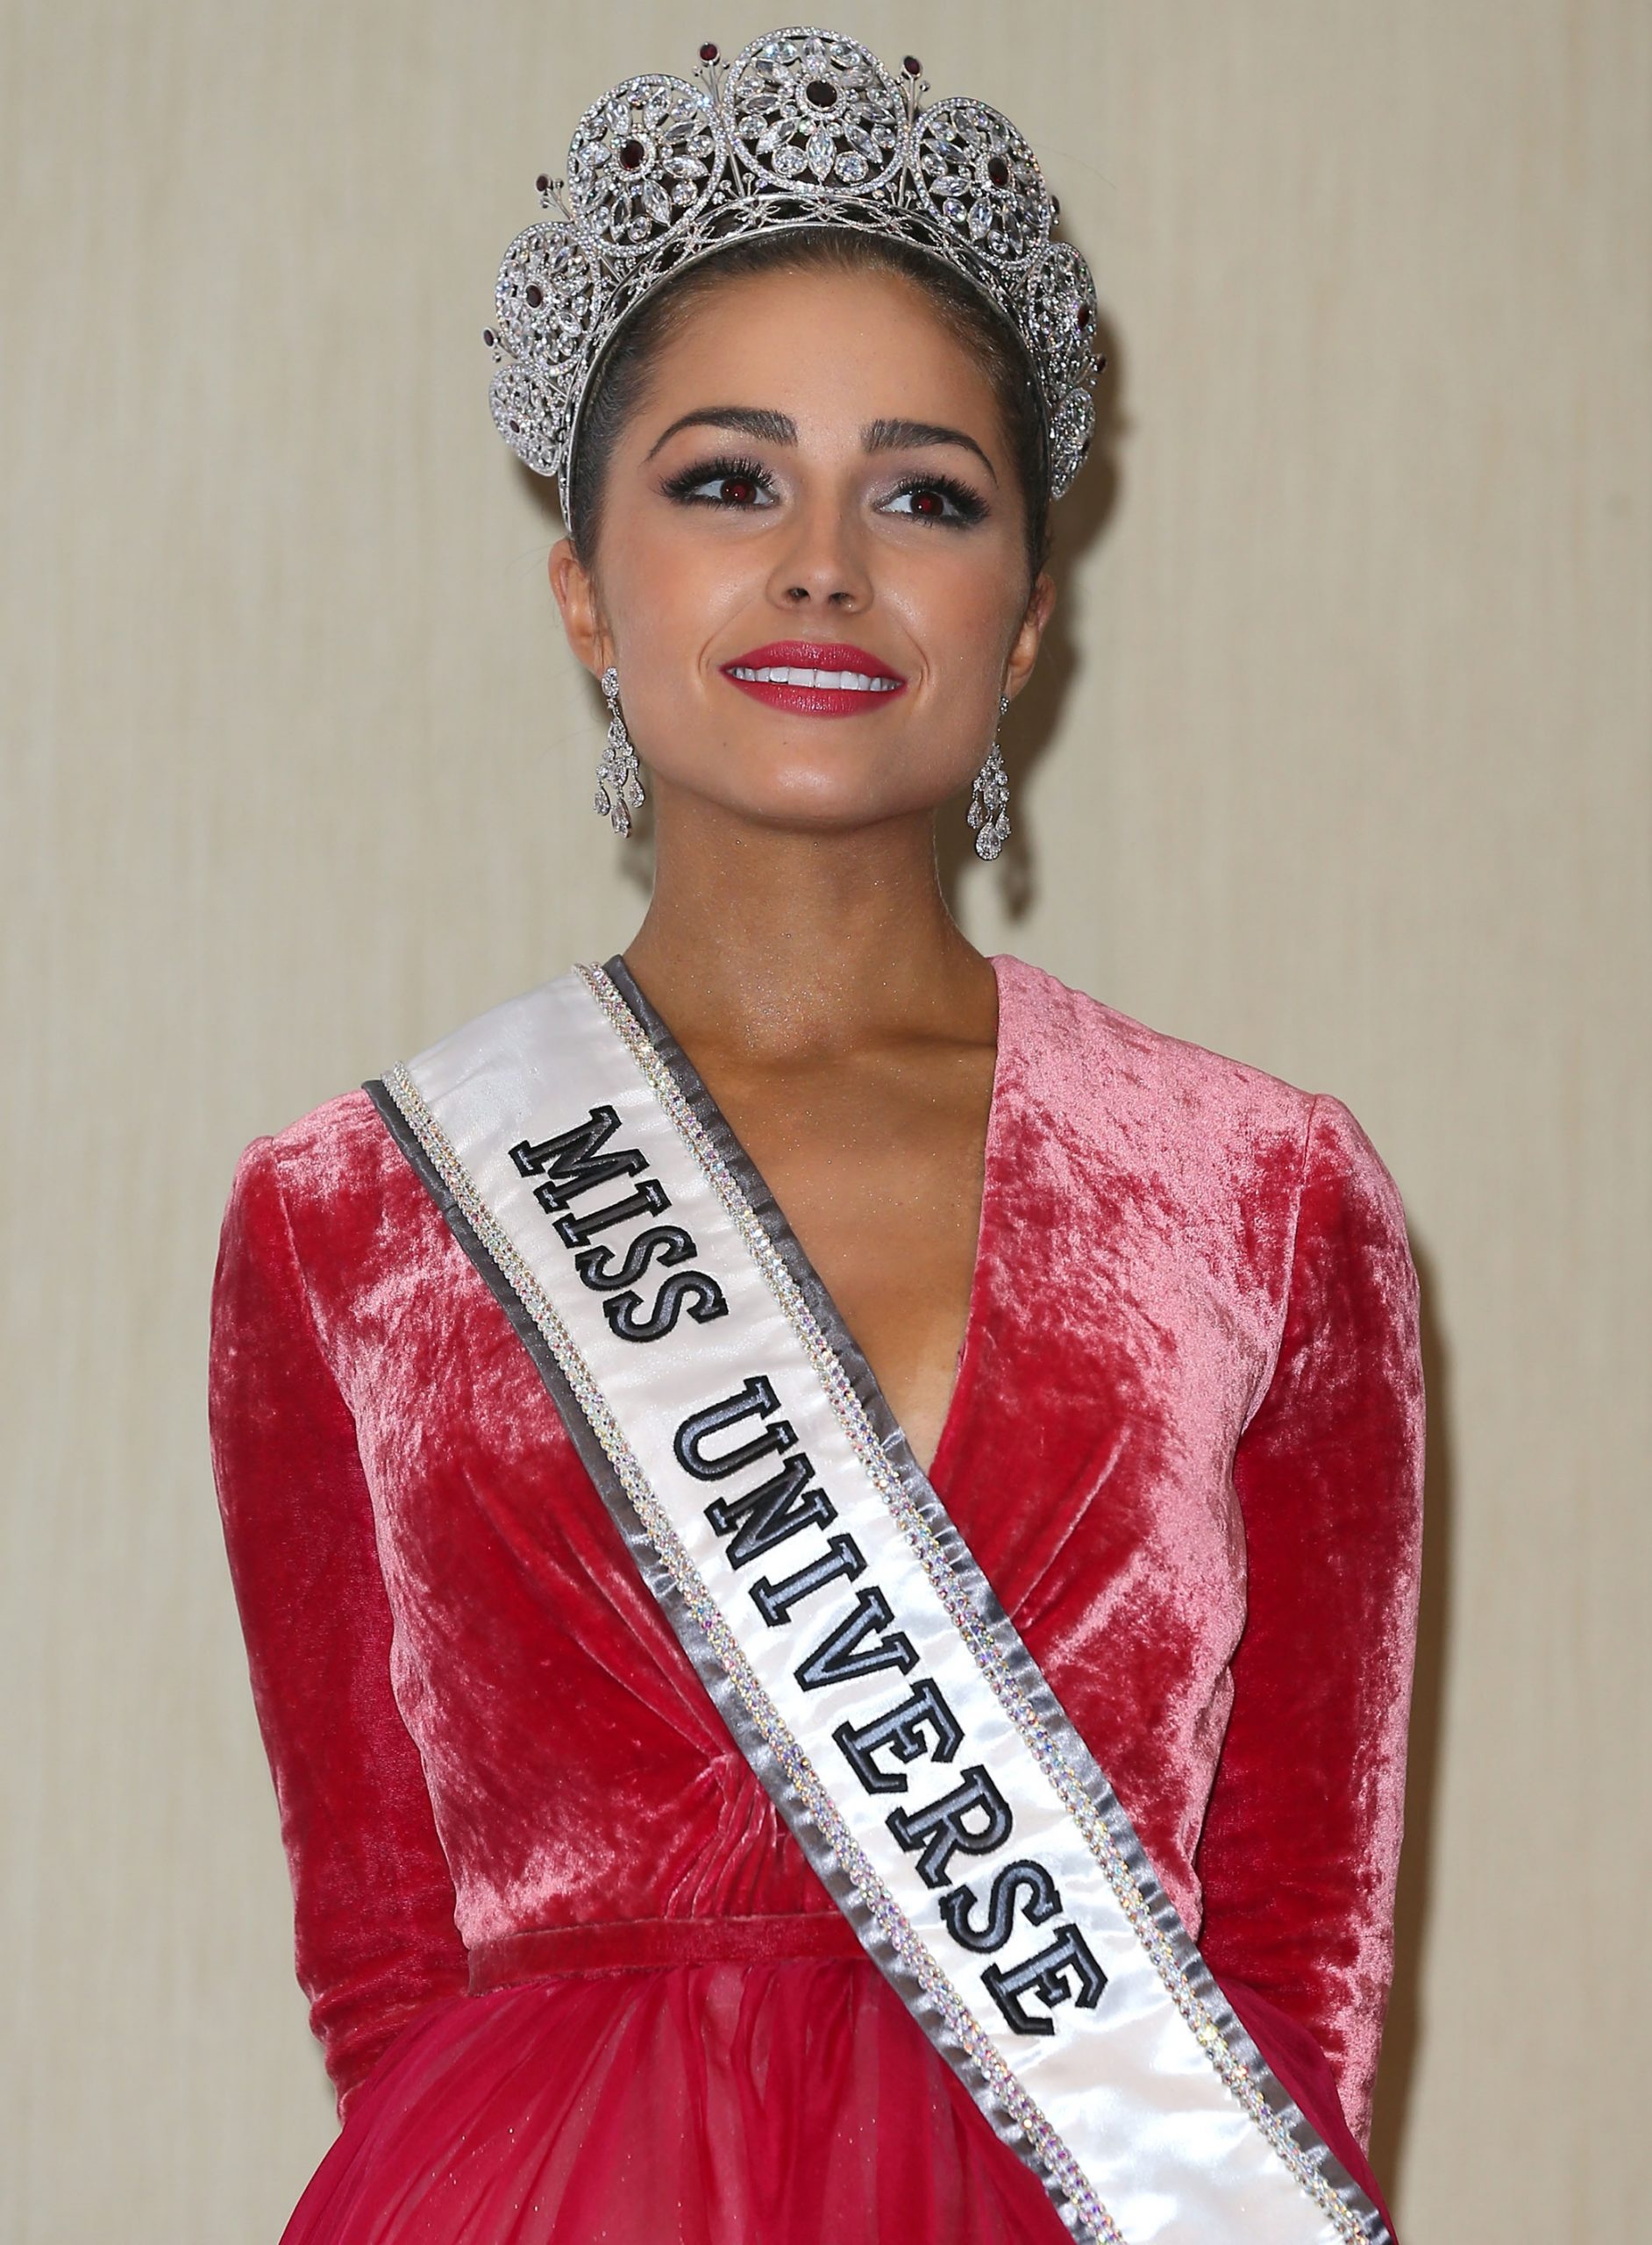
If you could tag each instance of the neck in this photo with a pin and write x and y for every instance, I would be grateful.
(777, 946)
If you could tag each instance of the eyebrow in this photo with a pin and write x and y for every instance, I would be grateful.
(883, 436)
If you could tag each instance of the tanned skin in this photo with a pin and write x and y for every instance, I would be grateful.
(797, 942)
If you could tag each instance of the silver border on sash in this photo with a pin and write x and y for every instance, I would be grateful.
(787, 1774)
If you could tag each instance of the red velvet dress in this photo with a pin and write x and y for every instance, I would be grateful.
(574, 1979)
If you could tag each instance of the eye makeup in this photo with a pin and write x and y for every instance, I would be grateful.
(684, 486)
(965, 506)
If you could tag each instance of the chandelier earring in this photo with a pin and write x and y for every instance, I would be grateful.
(989, 799)
(619, 786)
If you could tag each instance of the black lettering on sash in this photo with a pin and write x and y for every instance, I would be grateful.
(775, 1509)
(1044, 1977)
(936, 1834)
(774, 1601)
(902, 1731)
(1042, 1902)
(755, 1401)
(572, 1163)
(844, 1652)
(690, 1290)
(647, 1200)
(596, 1268)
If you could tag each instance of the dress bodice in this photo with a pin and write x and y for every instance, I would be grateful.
(1184, 1446)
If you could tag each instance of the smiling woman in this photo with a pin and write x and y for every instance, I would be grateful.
(878, 494)
(826, 1528)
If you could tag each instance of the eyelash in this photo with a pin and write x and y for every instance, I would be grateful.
(684, 487)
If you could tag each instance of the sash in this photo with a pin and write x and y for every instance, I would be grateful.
(849, 1640)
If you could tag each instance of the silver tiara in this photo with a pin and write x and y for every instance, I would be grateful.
(802, 128)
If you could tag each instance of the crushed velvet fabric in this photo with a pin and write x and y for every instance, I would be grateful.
(1185, 1448)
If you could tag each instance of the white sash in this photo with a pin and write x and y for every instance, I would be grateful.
(850, 1643)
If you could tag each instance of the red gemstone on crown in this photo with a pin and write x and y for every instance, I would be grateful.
(820, 93)
(1083, 315)
(543, 181)
(708, 51)
(913, 67)
(632, 154)
(998, 171)
(487, 337)
(535, 293)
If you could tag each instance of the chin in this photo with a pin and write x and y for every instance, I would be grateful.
(811, 792)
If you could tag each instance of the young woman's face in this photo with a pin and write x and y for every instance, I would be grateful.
(816, 478)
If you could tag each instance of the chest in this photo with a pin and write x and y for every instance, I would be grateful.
(1087, 1467)
(877, 1167)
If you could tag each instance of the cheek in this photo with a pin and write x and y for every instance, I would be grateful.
(669, 596)
(647, 590)
(954, 603)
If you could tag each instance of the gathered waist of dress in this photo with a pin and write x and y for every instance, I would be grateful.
(656, 1944)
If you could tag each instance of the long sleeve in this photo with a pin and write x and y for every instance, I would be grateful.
(1301, 1841)
(374, 1935)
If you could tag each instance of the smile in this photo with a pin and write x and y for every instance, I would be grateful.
(847, 681)
(812, 678)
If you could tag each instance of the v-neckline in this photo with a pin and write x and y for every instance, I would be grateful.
(956, 1401)
(661, 1034)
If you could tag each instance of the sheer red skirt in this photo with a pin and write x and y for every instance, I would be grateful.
(711, 2104)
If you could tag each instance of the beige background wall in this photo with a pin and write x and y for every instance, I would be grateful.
(1340, 764)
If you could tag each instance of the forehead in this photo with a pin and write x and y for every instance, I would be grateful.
(818, 343)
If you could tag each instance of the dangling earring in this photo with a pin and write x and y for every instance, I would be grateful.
(619, 787)
(989, 800)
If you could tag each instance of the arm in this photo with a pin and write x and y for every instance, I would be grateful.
(375, 1936)
(1301, 1841)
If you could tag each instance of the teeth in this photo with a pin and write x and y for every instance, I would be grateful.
(844, 682)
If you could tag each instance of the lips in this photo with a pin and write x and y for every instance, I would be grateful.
(815, 678)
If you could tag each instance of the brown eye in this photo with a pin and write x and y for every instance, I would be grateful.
(938, 499)
(743, 485)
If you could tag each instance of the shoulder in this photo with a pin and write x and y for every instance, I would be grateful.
(1102, 1075)
(1066, 1039)
(321, 1190)
(339, 1151)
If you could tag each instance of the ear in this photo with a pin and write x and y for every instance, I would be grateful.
(1023, 651)
(581, 611)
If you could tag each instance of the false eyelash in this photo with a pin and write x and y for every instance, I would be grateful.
(682, 486)
(971, 506)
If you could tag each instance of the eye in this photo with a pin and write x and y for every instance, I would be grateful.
(938, 499)
(741, 484)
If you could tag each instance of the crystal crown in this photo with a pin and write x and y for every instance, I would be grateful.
(802, 128)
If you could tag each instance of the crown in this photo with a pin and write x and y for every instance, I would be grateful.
(802, 128)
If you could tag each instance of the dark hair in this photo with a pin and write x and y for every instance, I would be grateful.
(621, 374)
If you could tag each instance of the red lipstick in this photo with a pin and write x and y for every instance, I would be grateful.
(840, 680)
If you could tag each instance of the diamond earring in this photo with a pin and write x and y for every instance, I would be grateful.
(619, 787)
(989, 799)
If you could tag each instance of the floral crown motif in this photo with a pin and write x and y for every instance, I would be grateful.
(802, 128)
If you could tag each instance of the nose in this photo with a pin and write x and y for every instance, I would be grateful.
(823, 563)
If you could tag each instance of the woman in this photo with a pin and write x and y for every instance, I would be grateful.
(590, 1933)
